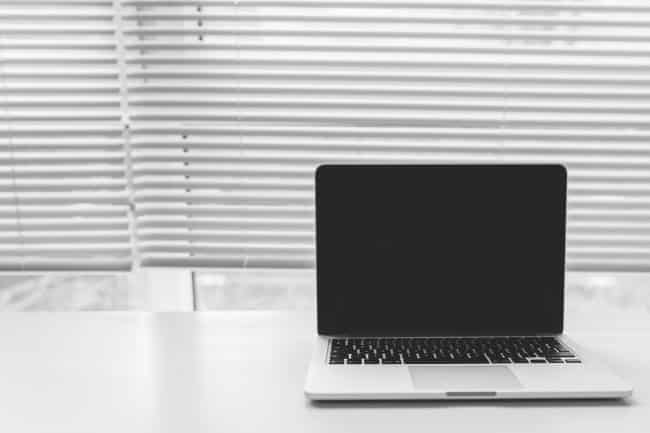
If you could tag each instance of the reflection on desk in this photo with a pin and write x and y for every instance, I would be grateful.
(244, 372)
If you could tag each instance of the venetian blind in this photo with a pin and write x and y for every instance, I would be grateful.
(234, 103)
(63, 201)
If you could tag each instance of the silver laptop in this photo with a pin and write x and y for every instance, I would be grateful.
(445, 282)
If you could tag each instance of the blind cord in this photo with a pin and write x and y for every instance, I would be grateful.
(126, 130)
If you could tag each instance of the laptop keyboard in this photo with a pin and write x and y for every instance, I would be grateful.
(475, 350)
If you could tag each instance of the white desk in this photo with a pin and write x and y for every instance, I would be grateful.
(244, 372)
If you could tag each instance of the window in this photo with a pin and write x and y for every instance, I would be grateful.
(255, 289)
(68, 291)
(145, 133)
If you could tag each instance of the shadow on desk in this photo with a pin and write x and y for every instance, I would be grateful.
(375, 404)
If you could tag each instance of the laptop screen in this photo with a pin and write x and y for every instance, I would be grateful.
(440, 250)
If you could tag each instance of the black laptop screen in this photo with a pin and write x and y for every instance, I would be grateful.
(440, 250)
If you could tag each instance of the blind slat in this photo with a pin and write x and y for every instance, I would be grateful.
(404, 14)
(623, 6)
(382, 30)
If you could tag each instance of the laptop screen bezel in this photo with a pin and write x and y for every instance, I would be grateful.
(326, 320)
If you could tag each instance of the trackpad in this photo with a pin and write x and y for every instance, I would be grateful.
(463, 378)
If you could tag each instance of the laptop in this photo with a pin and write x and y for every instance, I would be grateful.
(445, 282)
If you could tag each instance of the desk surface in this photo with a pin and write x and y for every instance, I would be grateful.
(244, 372)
